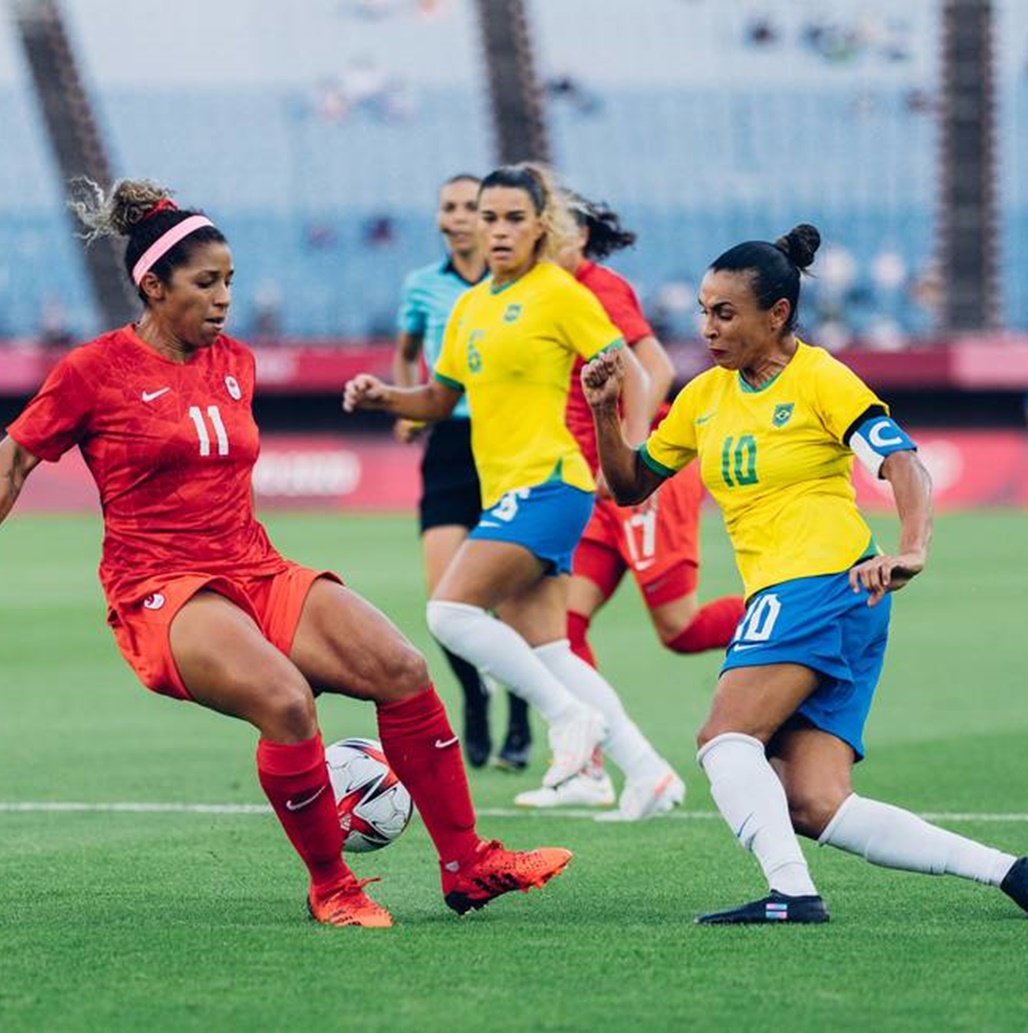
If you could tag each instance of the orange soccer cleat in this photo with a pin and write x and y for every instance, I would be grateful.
(495, 870)
(349, 905)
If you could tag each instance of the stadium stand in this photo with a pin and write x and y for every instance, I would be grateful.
(322, 170)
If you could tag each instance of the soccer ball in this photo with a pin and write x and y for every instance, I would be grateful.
(373, 804)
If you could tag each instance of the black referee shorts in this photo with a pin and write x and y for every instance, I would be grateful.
(450, 492)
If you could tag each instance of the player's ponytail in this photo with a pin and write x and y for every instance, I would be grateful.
(603, 225)
(144, 212)
(774, 269)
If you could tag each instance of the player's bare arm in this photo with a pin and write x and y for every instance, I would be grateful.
(636, 395)
(16, 463)
(428, 402)
(407, 373)
(657, 363)
(912, 488)
(630, 481)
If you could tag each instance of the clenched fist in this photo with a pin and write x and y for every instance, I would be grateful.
(602, 377)
(365, 392)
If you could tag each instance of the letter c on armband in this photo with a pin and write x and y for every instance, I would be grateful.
(877, 438)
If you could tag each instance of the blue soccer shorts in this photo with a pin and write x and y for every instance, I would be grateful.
(547, 520)
(821, 623)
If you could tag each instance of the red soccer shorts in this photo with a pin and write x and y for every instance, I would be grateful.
(658, 540)
(141, 624)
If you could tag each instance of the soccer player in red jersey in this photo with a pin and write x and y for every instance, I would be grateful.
(658, 540)
(202, 606)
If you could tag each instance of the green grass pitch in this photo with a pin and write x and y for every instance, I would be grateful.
(188, 921)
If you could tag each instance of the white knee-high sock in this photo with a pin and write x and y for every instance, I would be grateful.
(625, 744)
(495, 648)
(751, 799)
(894, 838)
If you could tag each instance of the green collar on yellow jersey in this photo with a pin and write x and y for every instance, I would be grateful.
(749, 389)
(493, 289)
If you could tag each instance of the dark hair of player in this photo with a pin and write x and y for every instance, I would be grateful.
(519, 177)
(606, 234)
(774, 268)
(142, 211)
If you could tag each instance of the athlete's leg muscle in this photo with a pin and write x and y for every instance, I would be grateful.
(227, 665)
(343, 644)
(814, 767)
(439, 545)
(538, 613)
(670, 619)
(484, 573)
(757, 701)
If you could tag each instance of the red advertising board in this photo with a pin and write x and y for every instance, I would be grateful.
(969, 468)
(983, 362)
(293, 472)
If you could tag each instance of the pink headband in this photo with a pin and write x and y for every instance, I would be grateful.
(165, 242)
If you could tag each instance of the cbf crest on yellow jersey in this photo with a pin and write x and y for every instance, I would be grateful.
(511, 349)
(774, 461)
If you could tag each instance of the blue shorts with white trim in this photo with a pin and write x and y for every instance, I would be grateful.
(547, 519)
(821, 623)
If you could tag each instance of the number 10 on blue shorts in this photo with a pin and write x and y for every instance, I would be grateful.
(820, 623)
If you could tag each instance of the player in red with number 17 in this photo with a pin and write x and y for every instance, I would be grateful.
(202, 606)
(657, 540)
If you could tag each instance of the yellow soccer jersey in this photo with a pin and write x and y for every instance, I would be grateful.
(511, 351)
(774, 461)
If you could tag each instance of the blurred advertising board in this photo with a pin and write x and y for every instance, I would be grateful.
(970, 468)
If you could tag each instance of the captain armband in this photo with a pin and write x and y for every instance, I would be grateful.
(876, 438)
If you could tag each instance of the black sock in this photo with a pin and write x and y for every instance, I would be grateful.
(475, 695)
(518, 728)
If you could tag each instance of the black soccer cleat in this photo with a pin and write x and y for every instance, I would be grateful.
(774, 908)
(515, 753)
(1015, 883)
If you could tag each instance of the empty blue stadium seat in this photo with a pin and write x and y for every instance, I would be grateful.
(327, 213)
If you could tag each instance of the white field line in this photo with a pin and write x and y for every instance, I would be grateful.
(68, 807)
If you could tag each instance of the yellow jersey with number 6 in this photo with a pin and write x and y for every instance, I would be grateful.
(511, 350)
(774, 460)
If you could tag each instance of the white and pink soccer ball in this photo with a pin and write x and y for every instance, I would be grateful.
(373, 804)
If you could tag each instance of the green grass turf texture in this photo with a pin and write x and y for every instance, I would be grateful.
(195, 922)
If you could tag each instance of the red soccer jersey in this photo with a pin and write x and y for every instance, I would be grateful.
(618, 299)
(171, 447)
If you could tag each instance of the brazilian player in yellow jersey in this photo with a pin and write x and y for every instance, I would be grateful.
(774, 460)
(775, 426)
(510, 349)
(510, 345)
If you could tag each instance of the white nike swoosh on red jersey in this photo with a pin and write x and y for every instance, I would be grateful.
(149, 396)
(441, 744)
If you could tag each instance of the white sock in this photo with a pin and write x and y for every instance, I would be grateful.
(895, 838)
(625, 744)
(751, 799)
(496, 648)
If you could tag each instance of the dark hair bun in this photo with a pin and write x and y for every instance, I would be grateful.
(800, 244)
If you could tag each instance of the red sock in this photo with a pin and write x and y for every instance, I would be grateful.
(578, 628)
(295, 780)
(425, 754)
(711, 628)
